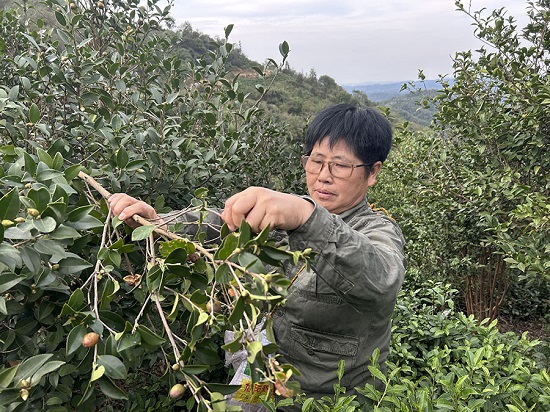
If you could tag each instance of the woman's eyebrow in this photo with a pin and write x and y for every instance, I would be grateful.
(335, 158)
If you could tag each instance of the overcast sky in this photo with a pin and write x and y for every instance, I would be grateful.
(352, 41)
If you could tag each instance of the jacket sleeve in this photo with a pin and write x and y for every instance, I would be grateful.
(363, 261)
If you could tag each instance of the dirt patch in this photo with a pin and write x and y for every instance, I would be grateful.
(537, 328)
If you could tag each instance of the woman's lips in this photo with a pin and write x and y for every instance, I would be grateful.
(324, 194)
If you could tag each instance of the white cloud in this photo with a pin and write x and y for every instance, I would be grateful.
(352, 41)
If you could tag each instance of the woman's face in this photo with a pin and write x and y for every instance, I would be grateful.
(338, 194)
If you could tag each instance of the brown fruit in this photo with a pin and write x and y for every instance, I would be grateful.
(193, 257)
(176, 391)
(90, 340)
(213, 306)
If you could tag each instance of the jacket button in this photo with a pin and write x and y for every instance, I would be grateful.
(310, 351)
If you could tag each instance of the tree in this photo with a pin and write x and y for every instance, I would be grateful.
(481, 177)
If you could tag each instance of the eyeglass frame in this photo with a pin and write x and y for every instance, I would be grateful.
(305, 158)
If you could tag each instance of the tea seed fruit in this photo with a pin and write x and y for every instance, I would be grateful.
(90, 340)
(176, 391)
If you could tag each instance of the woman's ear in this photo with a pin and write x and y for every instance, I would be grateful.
(373, 173)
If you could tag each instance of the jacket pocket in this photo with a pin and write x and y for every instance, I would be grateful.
(317, 354)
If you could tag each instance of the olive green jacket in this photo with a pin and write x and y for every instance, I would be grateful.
(342, 308)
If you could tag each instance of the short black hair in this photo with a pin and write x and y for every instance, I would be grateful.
(365, 130)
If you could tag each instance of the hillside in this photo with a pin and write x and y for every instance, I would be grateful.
(381, 92)
(401, 100)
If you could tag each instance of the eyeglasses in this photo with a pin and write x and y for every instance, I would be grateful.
(336, 169)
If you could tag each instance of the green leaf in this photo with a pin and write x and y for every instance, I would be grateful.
(374, 371)
(121, 158)
(34, 113)
(7, 375)
(45, 369)
(30, 164)
(50, 247)
(203, 317)
(154, 278)
(31, 259)
(245, 233)
(3, 307)
(195, 369)
(238, 311)
(111, 390)
(73, 265)
(44, 157)
(142, 232)
(48, 174)
(30, 366)
(222, 388)
(74, 338)
(149, 336)
(60, 18)
(40, 197)
(284, 49)
(73, 171)
(223, 274)
(228, 30)
(57, 161)
(80, 218)
(13, 93)
(97, 373)
(10, 256)
(19, 232)
(45, 225)
(114, 368)
(9, 280)
(251, 262)
(253, 348)
(167, 248)
(9, 205)
(227, 247)
(201, 193)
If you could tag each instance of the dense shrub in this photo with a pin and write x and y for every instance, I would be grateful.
(443, 360)
(472, 192)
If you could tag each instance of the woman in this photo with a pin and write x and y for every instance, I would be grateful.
(342, 307)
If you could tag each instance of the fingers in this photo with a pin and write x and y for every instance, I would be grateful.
(238, 207)
(262, 207)
(125, 207)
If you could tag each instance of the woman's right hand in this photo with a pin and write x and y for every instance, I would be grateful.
(125, 207)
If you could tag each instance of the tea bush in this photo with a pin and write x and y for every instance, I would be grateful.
(443, 360)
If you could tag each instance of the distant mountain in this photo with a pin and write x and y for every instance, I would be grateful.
(407, 104)
(381, 92)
